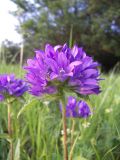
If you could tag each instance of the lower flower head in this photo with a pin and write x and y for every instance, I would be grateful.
(78, 109)
(10, 86)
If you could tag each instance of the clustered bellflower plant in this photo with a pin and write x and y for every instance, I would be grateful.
(11, 89)
(59, 70)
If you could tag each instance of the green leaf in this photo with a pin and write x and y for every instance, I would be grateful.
(48, 97)
(5, 136)
(27, 107)
(79, 158)
(71, 36)
(21, 99)
(17, 151)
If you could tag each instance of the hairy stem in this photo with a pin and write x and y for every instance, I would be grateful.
(10, 131)
(65, 131)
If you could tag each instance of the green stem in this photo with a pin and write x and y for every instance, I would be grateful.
(72, 148)
(72, 138)
(10, 130)
(65, 131)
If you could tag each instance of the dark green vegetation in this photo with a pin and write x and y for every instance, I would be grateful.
(95, 25)
(37, 130)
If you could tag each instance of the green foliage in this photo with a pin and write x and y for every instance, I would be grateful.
(95, 25)
(37, 129)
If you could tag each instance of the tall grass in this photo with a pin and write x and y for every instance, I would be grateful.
(37, 130)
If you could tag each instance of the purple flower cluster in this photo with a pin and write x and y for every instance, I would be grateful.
(10, 86)
(76, 109)
(49, 69)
